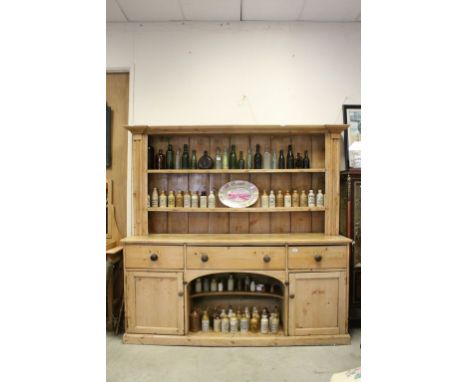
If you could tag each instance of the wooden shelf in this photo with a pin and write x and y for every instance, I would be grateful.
(244, 171)
(234, 294)
(238, 334)
(235, 210)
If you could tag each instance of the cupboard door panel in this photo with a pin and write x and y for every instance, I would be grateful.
(155, 302)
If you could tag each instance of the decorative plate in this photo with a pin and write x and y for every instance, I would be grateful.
(238, 194)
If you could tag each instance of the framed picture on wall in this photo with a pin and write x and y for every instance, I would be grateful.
(352, 135)
(108, 136)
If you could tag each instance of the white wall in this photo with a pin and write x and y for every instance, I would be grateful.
(238, 73)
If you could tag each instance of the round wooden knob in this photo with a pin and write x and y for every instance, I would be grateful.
(181, 294)
(154, 257)
(204, 258)
(318, 257)
(291, 295)
(266, 258)
(286, 283)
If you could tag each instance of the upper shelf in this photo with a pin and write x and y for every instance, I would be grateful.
(243, 171)
(237, 129)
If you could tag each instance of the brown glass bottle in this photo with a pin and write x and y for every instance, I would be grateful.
(195, 321)
(299, 163)
(281, 161)
(306, 160)
(160, 160)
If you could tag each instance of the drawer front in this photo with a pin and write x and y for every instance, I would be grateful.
(154, 257)
(235, 257)
(317, 257)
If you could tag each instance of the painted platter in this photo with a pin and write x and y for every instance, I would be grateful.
(238, 194)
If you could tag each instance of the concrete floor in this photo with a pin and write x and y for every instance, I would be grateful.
(141, 363)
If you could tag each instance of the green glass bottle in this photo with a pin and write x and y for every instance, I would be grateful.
(193, 162)
(233, 157)
(241, 164)
(185, 158)
(169, 157)
(290, 158)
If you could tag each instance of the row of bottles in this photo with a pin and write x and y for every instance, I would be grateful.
(226, 160)
(273, 200)
(221, 321)
(184, 199)
(232, 284)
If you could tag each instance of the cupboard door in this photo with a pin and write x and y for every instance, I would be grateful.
(155, 302)
(317, 303)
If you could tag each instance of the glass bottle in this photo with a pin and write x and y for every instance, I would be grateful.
(185, 157)
(299, 163)
(287, 199)
(162, 199)
(274, 323)
(290, 158)
(160, 160)
(194, 203)
(220, 285)
(306, 160)
(303, 199)
(171, 199)
(198, 285)
(194, 321)
(233, 323)
(247, 313)
(254, 324)
(169, 157)
(217, 324)
(179, 199)
(279, 199)
(272, 199)
(266, 160)
(187, 199)
(230, 283)
(177, 160)
(218, 159)
(205, 322)
(148, 200)
(205, 161)
(211, 200)
(154, 197)
(265, 199)
(295, 198)
(150, 157)
(311, 199)
(206, 285)
(249, 163)
(213, 285)
(193, 161)
(257, 157)
(239, 316)
(225, 159)
(252, 286)
(233, 157)
(320, 199)
(241, 163)
(247, 284)
(274, 161)
(203, 200)
(264, 324)
(281, 161)
(244, 324)
(224, 323)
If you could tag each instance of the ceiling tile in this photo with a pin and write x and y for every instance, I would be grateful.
(151, 10)
(280, 10)
(331, 10)
(113, 12)
(211, 10)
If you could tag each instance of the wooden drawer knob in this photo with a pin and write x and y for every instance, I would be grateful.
(318, 258)
(291, 295)
(181, 294)
(204, 258)
(154, 257)
(266, 258)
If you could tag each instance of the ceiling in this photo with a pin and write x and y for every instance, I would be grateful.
(233, 10)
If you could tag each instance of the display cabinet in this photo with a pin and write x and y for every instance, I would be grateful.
(350, 226)
(295, 253)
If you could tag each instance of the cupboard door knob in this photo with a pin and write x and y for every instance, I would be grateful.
(181, 294)
(154, 257)
(204, 258)
(291, 295)
(318, 258)
(266, 258)
(286, 283)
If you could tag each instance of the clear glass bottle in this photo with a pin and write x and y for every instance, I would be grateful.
(187, 199)
(217, 324)
(224, 324)
(265, 200)
(193, 160)
(247, 284)
(274, 323)
(287, 199)
(320, 199)
(171, 199)
(218, 159)
(179, 199)
(280, 199)
(272, 199)
(252, 286)
(303, 199)
(177, 160)
(148, 200)
(311, 199)
(230, 283)
(203, 200)
(163, 199)
(274, 160)
(220, 285)
(195, 200)
(295, 198)
(206, 284)
(211, 200)
(249, 162)
(154, 197)
(205, 322)
(225, 159)
(266, 160)
(213, 285)
(264, 324)
(198, 285)
(244, 324)
(234, 324)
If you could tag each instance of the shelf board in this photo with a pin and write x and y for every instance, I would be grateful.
(234, 294)
(238, 334)
(235, 210)
(243, 171)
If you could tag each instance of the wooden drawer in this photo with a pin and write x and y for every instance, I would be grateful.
(316, 257)
(235, 257)
(154, 257)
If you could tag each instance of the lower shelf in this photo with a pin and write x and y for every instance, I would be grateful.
(236, 339)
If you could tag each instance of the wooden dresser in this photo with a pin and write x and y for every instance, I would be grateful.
(299, 248)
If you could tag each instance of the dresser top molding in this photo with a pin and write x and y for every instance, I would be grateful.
(239, 239)
(236, 129)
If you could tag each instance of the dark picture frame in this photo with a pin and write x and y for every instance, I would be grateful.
(108, 136)
(351, 116)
